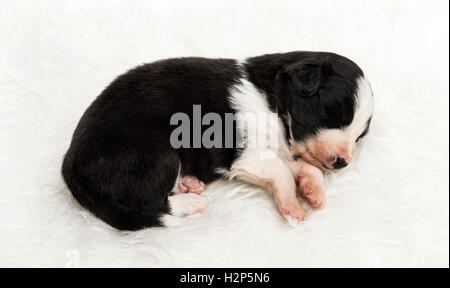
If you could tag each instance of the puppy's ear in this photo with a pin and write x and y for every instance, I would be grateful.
(303, 77)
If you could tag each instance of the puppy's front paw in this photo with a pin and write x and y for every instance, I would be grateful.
(311, 187)
(292, 209)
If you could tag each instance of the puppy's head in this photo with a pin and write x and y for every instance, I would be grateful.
(330, 105)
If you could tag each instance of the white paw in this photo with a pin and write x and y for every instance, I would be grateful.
(292, 209)
(186, 204)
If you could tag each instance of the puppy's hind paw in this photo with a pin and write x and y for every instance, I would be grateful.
(186, 204)
(191, 184)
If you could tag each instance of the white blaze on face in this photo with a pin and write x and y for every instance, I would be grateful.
(329, 144)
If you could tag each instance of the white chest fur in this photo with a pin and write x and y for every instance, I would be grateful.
(262, 129)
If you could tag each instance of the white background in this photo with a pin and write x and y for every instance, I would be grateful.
(390, 208)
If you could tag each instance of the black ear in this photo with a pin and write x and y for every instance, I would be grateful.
(303, 77)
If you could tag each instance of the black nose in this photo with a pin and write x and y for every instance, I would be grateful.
(340, 163)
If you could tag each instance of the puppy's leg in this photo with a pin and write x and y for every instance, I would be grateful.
(273, 175)
(311, 184)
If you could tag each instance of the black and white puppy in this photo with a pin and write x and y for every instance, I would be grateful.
(124, 168)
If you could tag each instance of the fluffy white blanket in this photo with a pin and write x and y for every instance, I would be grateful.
(390, 208)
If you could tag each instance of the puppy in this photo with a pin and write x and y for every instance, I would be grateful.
(128, 167)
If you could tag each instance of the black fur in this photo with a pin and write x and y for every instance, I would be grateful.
(317, 89)
(120, 164)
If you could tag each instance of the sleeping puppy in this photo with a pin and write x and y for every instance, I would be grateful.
(131, 163)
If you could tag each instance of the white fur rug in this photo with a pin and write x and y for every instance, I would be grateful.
(389, 209)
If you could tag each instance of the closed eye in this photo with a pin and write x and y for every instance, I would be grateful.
(364, 133)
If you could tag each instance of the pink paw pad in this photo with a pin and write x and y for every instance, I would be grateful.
(191, 184)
